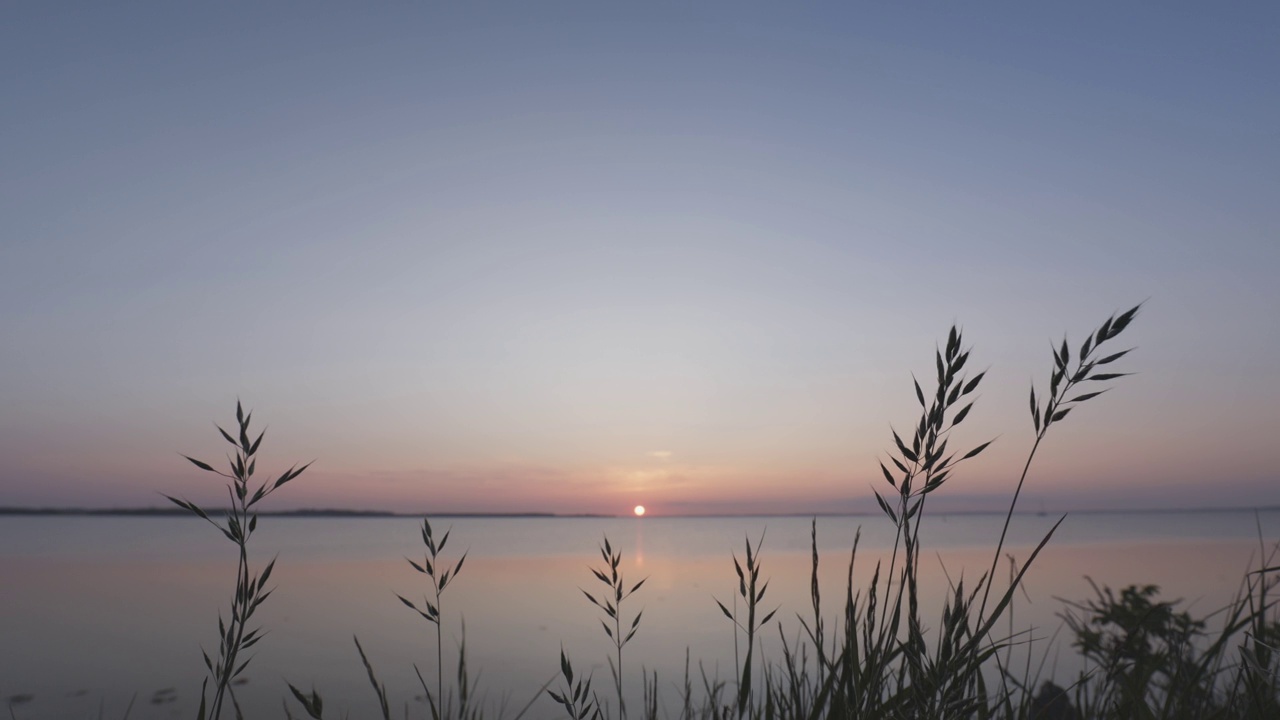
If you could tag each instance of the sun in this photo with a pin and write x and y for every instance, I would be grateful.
(639, 510)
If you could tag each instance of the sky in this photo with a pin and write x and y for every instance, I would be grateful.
(573, 257)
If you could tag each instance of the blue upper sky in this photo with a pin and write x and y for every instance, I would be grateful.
(559, 256)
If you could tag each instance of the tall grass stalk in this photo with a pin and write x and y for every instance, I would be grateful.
(752, 593)
(611, 604)
(1056, 406)
(440, 577)
(379, 689)
(238, 524)
(577, 698)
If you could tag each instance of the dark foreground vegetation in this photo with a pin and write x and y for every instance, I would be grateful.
(872, 655)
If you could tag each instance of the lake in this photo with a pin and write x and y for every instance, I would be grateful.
(96, 609)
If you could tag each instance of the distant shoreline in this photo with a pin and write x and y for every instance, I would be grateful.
(308, 512)
(338, 513)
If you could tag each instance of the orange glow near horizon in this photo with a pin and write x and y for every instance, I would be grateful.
(639, 511)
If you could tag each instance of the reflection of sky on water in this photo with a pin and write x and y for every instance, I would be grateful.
(113, 605)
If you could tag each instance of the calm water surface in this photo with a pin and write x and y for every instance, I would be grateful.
(96, 609)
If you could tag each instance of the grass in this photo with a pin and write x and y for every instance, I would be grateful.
(752, 593)
(610, 603)
(439, 577)
(877, 655)
(236, 634)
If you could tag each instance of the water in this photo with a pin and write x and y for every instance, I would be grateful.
(96, 609)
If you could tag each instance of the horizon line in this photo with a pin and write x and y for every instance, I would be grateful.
(160, 511)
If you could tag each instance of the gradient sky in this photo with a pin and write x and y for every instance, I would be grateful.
(567, 257)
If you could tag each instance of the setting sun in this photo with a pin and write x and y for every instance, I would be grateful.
(639, 510)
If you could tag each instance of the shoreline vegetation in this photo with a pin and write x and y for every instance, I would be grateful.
(878, 654)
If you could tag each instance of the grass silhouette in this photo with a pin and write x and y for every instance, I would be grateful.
(238, 524)
(880, 658)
